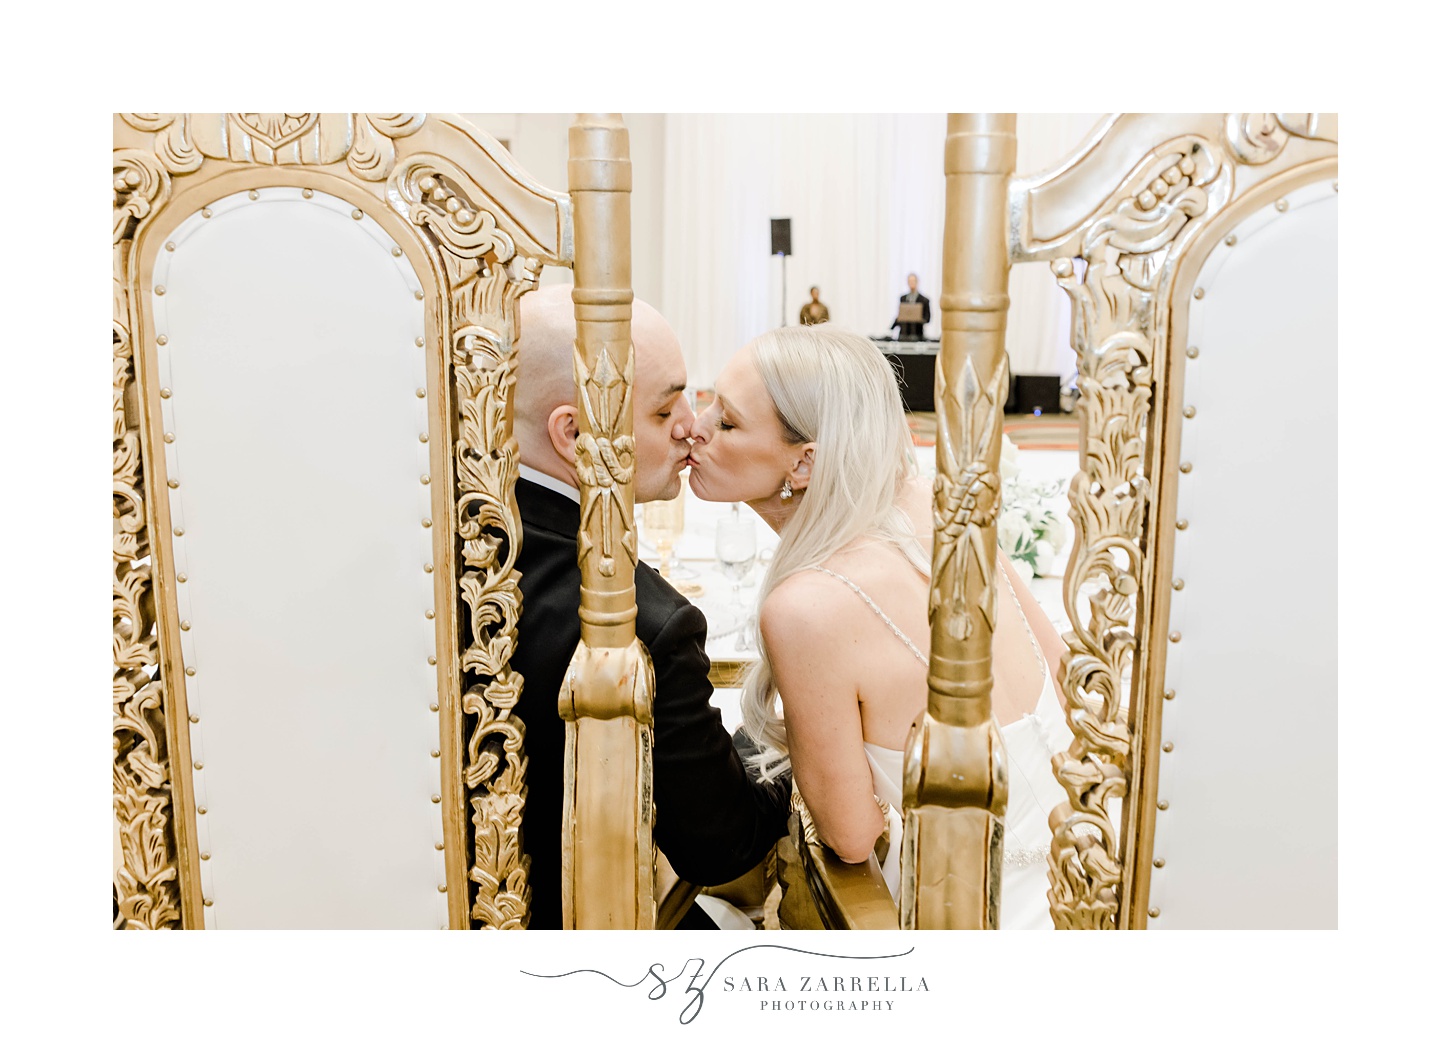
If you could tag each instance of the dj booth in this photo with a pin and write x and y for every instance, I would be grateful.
(915, 363)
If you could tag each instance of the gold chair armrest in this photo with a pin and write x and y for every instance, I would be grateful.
(849, 896)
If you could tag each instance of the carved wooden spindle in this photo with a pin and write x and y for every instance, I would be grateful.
(608, 693)
(954, 786)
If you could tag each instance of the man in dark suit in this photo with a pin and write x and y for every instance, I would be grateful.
(913, 330)
(713, 821)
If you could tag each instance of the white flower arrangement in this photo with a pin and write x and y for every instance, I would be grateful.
(1030, 533)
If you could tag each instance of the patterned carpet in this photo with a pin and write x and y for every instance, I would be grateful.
(1057, 431)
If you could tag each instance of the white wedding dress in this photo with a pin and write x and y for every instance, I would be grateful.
(1032, 793)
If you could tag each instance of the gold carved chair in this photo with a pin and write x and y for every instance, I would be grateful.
(315, 525)
(1199, 254)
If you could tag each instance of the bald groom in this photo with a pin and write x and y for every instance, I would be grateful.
(713, 822)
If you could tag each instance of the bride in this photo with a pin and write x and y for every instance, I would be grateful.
(807, 429)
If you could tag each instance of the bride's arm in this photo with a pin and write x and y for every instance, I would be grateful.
(813, 660)
(1049, 642)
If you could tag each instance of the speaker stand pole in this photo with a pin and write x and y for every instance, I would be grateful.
(783, 289)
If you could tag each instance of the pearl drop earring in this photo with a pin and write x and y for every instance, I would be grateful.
(786, 489)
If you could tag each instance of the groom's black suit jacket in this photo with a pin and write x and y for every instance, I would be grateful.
(712, 820)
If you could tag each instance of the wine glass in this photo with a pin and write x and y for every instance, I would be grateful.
(735, 549)
(663, 522)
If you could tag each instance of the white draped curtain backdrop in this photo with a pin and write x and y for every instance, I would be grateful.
(865, 197)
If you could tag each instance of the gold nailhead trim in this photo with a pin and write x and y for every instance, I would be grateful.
(163, 340)
(206, 211)
(201, 811)
(1170, 694)
(1193, 353)
(424, 479)
(307, 193)
(1282, 206)
(436, 798)
(206, 856)
(442, 888)
(434, 753)
(1182, 524)
(194, 719)
(421, 393)
(423, 438)
(418, 342)
(1178, 584)
(1154, 912)
(1158, 863)
(166, 392)
(433, 707)
(397, 251)
(191, 671)
(357, 215)
(168, 438)
(433, 660)
(1231, 240)
(1163, 805)
(1199, 293)
(1168, 747)
(186, 624)
(428, 614)
(428, 568)
(1189, 412)
(172, 483)
(252, 194)
(418, 295)
(170, 247)
(1175, 636)
(437, 846)
(207, 902)
(1186, 468)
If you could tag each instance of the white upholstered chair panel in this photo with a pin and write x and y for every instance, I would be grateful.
(1248, 837)
(294, 403)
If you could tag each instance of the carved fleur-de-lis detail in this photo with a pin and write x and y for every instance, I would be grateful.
(604, 461)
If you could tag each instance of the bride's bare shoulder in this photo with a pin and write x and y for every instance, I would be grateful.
(916, 501)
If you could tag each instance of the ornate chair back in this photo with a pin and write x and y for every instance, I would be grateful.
(315, 525)
(1200, 674)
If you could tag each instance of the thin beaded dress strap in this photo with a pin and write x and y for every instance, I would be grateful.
(880, 614)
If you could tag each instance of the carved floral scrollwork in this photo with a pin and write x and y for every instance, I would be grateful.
(1258, 137)
(605, 460)
(1119, 325)
(146, 885)
(484, 291)
(184, 140)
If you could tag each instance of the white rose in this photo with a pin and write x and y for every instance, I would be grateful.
(1008, 464)
(1014, 534)
(1055, 529)
(1022, 568)
(1043, 556)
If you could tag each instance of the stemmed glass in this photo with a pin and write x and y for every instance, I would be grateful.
(662, 522)
(735, 549)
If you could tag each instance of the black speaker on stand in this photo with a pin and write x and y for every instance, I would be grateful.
(781, 247)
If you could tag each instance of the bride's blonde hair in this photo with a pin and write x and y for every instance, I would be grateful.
(835, 389)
